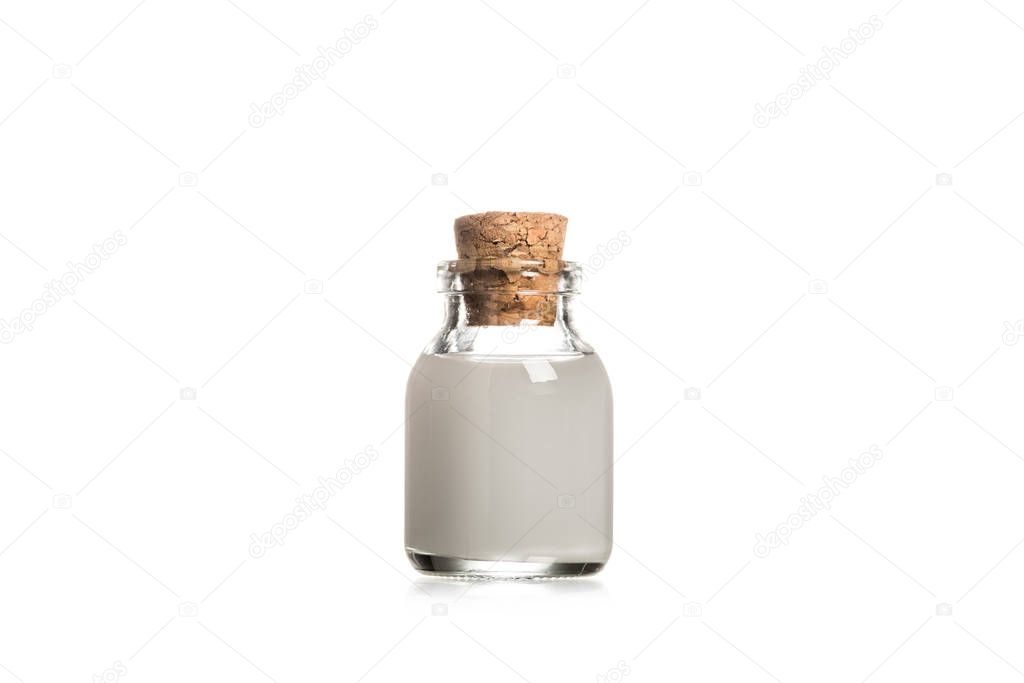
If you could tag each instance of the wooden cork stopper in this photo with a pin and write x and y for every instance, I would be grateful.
(502, 293)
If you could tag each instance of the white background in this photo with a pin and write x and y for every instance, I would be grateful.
(812, 278)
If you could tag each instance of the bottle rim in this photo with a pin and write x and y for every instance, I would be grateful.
(521, 276)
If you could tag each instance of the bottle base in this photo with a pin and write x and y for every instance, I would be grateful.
(457, 567)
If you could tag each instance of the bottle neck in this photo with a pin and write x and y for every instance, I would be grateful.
(544, 327)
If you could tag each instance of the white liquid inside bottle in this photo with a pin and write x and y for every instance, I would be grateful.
(508, 466)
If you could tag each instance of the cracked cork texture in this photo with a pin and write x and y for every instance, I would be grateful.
(499, 297)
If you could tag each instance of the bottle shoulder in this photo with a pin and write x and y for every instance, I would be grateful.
(512, 340)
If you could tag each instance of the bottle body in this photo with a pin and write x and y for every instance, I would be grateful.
(508, 451)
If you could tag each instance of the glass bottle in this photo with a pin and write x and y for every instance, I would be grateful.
(508, 426)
